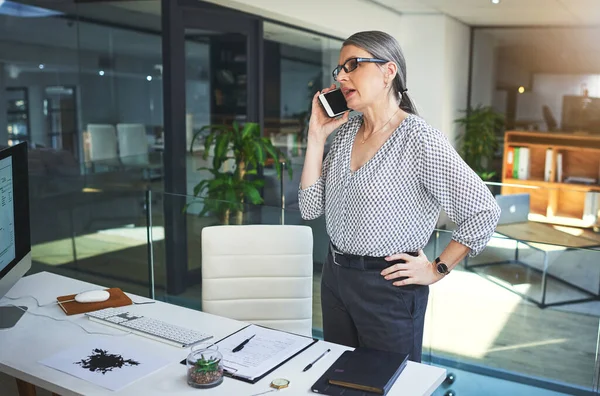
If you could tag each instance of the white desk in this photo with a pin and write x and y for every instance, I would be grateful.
(34, 338)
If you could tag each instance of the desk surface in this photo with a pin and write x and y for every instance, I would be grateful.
(543, 233)
(35, 338)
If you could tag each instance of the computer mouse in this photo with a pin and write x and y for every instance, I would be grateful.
(92, 296)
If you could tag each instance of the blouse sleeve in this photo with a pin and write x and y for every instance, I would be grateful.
(311, 200)
(459, 190)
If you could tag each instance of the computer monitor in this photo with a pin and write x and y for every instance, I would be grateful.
(15, 239)
(514, 208)
(581, 114)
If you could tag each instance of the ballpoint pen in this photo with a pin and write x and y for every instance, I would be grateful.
(315, 361)
(241, 346)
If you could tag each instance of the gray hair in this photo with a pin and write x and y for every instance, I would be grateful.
(383, 46)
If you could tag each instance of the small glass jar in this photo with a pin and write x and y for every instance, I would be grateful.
(204, 366)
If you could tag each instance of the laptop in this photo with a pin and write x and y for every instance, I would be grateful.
(514, 207)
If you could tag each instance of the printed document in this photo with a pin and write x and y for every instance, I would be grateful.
(266, 350)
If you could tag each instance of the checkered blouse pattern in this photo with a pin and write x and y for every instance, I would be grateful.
(392, 203)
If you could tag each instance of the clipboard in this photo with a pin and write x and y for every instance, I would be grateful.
(231, 374)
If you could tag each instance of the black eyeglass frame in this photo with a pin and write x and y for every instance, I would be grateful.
(338, 68)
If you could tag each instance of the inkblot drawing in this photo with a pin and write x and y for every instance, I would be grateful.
(100, 361)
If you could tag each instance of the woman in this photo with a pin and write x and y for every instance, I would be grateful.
(381, 187)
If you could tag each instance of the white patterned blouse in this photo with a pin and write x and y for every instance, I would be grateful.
(392, 203)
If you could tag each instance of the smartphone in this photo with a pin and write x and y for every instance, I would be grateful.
(333, 102)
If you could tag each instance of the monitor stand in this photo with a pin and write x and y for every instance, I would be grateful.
(9, 316)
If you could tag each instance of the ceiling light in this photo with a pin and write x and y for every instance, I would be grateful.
(41, 66)
(496, 1)
(101, 72)
(149, 78)
(521, 89)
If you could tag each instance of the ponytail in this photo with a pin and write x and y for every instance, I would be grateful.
(400, 90)
(406, 103)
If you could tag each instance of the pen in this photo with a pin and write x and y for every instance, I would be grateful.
(241, 346)
(315, 361)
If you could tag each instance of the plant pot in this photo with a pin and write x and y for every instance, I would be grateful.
(204, 367)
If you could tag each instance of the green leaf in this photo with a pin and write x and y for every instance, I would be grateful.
(250, 129)
(253, 194)
(259, 152)
(221, 147)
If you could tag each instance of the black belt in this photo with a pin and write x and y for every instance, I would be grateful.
(362, 262)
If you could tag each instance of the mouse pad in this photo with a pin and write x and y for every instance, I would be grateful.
(117, 299)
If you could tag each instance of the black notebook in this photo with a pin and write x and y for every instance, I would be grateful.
(361, 372)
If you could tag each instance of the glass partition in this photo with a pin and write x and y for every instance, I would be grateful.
(95, 235)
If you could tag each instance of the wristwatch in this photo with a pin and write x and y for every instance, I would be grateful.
(441, 267)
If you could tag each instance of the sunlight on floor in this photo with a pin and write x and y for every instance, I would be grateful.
(470, 333)
(60, 252)
(528, 345)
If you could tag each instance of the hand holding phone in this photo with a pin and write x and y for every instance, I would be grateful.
(333, 102)
(323, 121)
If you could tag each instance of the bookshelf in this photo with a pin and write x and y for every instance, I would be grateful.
(552, 158)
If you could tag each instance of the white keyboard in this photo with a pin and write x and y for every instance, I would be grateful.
(152, 328)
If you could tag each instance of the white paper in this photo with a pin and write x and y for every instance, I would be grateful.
(109, 363)
(266, 350)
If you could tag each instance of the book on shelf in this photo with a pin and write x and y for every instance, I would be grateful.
(591, 207)
(559, 170)
(510, 161)
(523, 173)
(516, 163)
(548, 166)
(580, 180)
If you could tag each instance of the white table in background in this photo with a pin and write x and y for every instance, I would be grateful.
(35, 338)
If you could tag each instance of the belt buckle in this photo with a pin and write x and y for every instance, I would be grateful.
(334, 252)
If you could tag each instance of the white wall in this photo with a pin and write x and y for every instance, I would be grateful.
(422, 41)
(436, 48)
(484, 69)
(456, 81)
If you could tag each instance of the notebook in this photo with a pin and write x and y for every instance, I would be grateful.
(362, 372)
(117, 299)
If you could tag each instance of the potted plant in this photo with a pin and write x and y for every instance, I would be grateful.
(205, 368)
(479, 142)
(228, 190)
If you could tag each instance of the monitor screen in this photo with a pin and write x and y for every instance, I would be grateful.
(15, 238)
(7, 213)
(581, 114)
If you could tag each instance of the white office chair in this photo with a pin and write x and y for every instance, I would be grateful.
(133, 144)
(103, 144)
(260, 274)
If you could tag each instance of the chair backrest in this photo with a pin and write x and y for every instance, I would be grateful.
(260, 274)
(103, 142)
(549, 118)
(133, 144)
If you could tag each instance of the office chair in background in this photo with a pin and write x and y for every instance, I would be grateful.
(549, 118)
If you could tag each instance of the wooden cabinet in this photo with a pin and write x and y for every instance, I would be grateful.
(554, 200)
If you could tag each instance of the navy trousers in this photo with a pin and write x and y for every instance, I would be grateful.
(362, 308)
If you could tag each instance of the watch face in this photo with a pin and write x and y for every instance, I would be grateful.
(442, 268)
(279, 383)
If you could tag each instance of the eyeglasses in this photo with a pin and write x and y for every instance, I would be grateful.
(351, 65)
